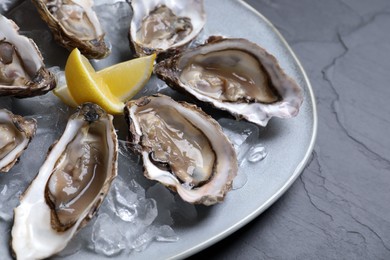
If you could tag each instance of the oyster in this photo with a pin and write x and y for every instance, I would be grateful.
(182, 147)
(74, 25)
(163, 24)
(16, 133)
(22, 72)
(235, 75)
(69, 187)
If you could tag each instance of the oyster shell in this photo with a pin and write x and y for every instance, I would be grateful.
(16, 133)
(235, 75)
(182, 147)
(22, 71)
(74, 24)
(69, 187)
(163, 24)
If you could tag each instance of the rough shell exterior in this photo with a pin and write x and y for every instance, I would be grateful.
(225, 166)
(93, 48)
(193, 9)
(35, 232)
(289, 92)
(39, 81)
(26, 127)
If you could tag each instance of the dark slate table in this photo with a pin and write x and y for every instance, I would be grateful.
(339, 207)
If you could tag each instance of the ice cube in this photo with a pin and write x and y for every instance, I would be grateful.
(133, 232)
(242, 135)
(131, 205)
(137, 189)
(159, 233)
(122, 201)
(165, 203)
(114, 17)
(147, 211)
(60, 75)
(106, 236)
(166, 234)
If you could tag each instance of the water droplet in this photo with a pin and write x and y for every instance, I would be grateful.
(240, 180)
(257, 153)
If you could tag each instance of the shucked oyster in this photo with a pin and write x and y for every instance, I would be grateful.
(182, 147)
(22, 72)
(163, 24)
(74, 25)
(16, 133)
(235, 75)
(70, 186)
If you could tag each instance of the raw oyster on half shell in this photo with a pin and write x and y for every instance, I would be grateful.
(69, 187)
(182, 147)
(165, 24)
(16, 133)
(22, 71)
(235, 75)
(74, 24)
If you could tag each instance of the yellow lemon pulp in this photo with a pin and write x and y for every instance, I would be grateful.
(109, 88)
(126, 79)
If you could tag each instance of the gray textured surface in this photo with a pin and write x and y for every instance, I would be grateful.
(339, 207)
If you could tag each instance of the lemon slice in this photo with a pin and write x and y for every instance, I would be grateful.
(109, 88)
(85, 85)
(126, 79)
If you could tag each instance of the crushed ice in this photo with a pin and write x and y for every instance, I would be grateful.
(107, 238)
(125, 222)
(131, 217)
(243, 136)
(122, 225)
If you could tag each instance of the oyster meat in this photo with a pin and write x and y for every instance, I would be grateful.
(159, 25)
(182, 147)
(74, 24)
(235, 75)
(22, 71)
(16, 133)
(69, 187)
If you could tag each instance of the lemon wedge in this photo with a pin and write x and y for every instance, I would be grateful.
(109, 88)
(126, 79)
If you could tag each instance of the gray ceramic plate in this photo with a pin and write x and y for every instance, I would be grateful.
(289, 142)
